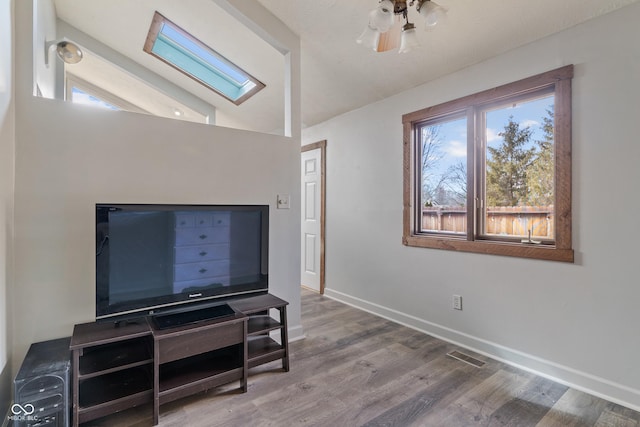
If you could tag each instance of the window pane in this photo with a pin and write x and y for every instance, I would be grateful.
(78, 96)
(443, 176)
(519, 175)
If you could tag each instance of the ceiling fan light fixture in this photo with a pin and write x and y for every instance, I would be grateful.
(381, 18)
(408, 39)
(369, 38)
(381, 35)
(431, 12)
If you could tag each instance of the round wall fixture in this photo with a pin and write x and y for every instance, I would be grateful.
(69, 52)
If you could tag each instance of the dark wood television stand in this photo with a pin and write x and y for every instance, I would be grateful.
(119, 367)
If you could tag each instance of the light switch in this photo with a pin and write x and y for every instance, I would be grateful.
(283, 201)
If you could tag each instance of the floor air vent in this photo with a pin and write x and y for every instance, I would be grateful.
(466, 358)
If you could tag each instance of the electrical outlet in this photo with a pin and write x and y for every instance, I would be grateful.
(457, 302)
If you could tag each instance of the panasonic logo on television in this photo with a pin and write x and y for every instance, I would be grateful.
(194, 295)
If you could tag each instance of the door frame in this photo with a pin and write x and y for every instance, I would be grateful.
(322, 145)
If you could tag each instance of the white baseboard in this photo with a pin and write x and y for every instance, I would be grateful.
(295, 333)
(583, 381)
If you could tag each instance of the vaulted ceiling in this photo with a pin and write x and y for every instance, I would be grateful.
(338, 75)
(121, 26)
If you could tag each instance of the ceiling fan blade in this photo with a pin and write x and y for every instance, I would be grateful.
(391, 39)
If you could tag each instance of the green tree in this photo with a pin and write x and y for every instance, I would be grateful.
(507, 166)
(541, 173)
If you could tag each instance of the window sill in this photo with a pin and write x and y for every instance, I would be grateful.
(546, 252)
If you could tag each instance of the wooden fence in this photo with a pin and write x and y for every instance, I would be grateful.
(514, 221)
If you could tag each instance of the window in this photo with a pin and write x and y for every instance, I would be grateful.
(78, 96)
(491, 172)
(80, 91)
(173, 45)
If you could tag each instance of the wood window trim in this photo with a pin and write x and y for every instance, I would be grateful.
(560, 79)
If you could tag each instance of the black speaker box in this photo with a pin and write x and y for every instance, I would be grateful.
(41, 387)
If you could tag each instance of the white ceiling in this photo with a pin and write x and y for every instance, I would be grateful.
(338, 75)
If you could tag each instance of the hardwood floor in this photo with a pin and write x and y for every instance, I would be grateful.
(356, 369)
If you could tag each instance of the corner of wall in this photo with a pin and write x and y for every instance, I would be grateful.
(7, 161)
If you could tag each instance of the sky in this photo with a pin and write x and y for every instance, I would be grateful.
(453, 134)
(81, 97)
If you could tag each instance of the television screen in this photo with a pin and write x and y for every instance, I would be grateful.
(152, 258)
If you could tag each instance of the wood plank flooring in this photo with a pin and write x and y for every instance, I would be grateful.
(356, 369)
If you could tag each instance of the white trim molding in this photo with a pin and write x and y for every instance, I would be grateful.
(296, 333)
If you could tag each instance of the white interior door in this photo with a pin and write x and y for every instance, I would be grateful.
(311, 191)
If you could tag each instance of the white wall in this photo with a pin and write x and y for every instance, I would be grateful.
(7, 146)
(43, 74)
(574, 322)
(70, 157)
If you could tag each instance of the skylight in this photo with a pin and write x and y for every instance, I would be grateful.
(173, 45)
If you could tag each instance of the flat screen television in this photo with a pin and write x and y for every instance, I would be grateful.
(162, 258)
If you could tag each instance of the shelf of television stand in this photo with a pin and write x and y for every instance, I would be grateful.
(261, 347)
(105, 394)
(197, 357)
(112, 368)
(198, 373)
(109, 358)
